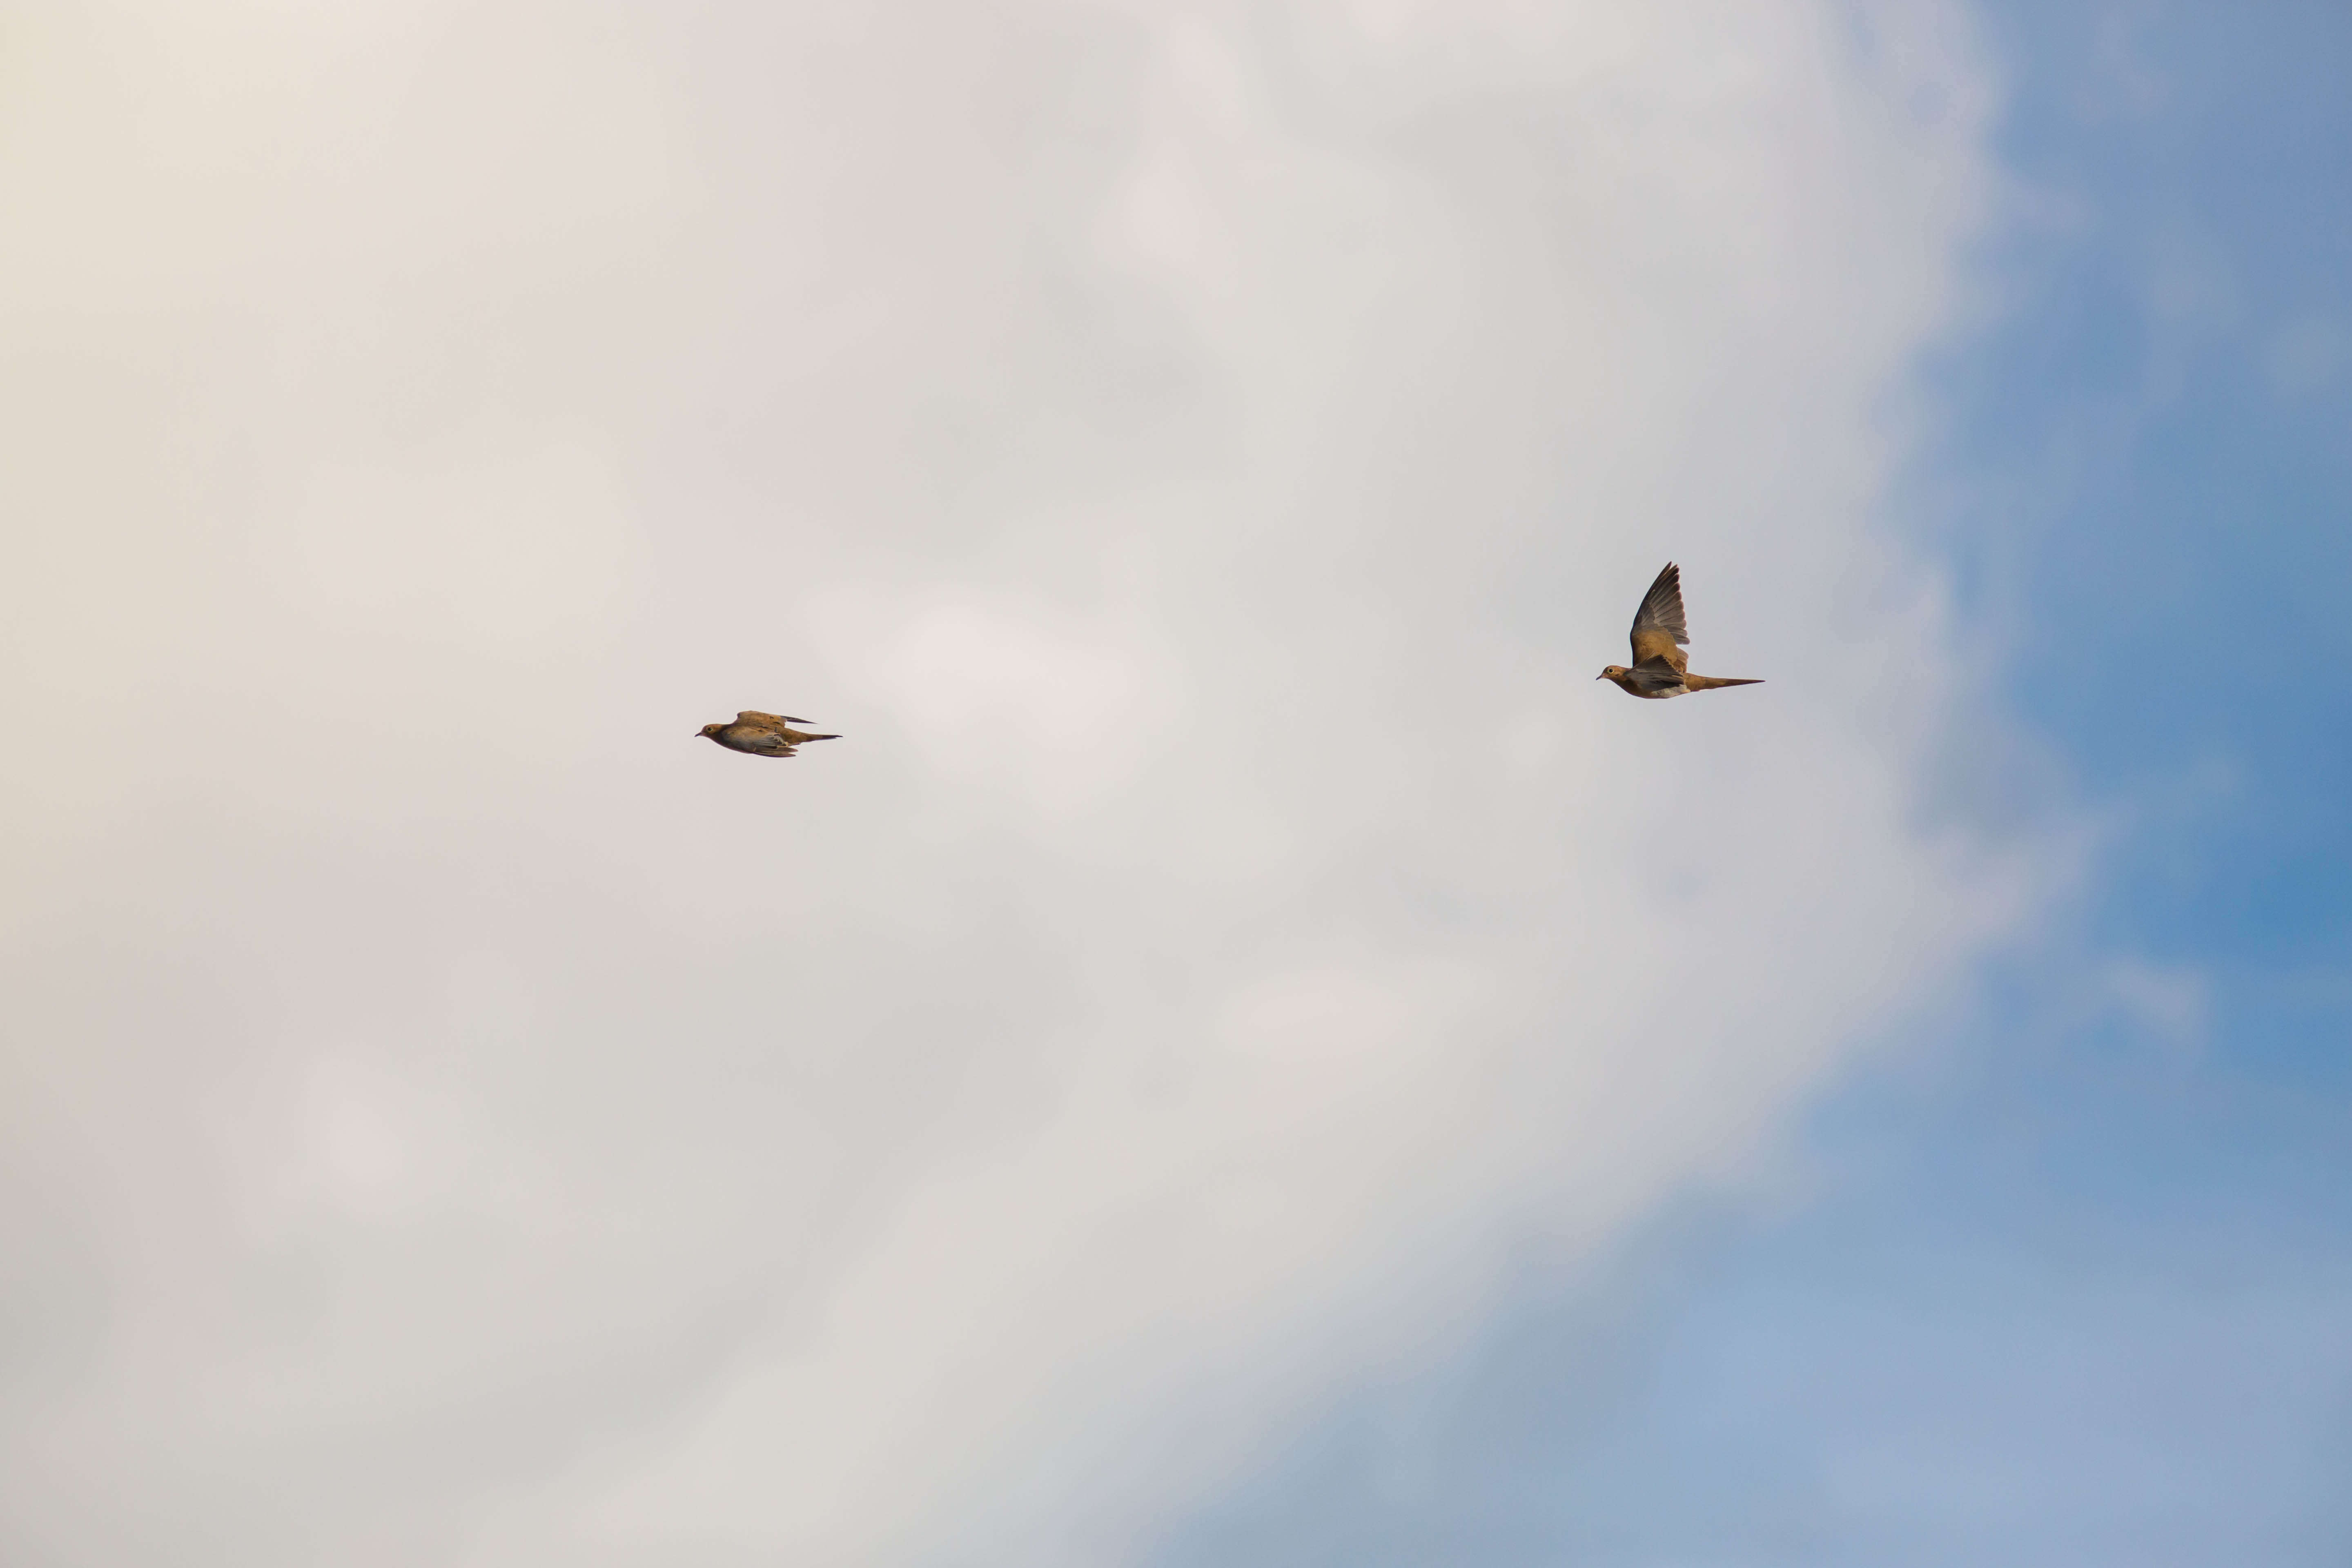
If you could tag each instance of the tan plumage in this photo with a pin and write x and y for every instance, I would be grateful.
(759, 735)
(1660, 667)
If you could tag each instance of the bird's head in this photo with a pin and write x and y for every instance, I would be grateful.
(1613, 672)
(711, 731)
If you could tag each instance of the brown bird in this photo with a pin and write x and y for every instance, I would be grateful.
(763, 734)
(1660, 667)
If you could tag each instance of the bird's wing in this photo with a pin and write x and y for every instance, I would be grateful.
(1658, 626)
(767, 721)
(1656, 675)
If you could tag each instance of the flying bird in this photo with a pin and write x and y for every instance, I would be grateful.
(1660, 666)
(763, 734)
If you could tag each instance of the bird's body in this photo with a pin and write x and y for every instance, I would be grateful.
(1660, 667)
(1657, 685)
(763, 734)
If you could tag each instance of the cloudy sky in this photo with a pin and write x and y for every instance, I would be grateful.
(1244, 1054)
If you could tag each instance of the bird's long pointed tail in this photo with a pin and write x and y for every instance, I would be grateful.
(1709, 682)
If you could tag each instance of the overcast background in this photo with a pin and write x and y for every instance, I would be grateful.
(1244, 1053)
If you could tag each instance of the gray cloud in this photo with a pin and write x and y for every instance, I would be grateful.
(1199, 456)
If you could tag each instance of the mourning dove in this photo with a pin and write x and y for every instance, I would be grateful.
(1659, 635)
(763, 734)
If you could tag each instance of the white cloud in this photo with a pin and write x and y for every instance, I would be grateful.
(1199, 457)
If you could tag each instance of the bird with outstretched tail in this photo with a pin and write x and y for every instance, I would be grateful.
(763, 734)
(1660, 633)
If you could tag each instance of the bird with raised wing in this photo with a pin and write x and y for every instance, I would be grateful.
(763, 734)
(1660, 666)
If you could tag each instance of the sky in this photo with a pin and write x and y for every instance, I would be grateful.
(2070, 1282)
(1243, 1053)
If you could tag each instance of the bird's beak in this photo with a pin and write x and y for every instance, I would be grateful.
(1600, 677)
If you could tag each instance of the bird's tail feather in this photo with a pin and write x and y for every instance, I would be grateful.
(1709, 682)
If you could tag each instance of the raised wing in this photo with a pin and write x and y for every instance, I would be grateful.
(767, 721)
(1659, 632)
